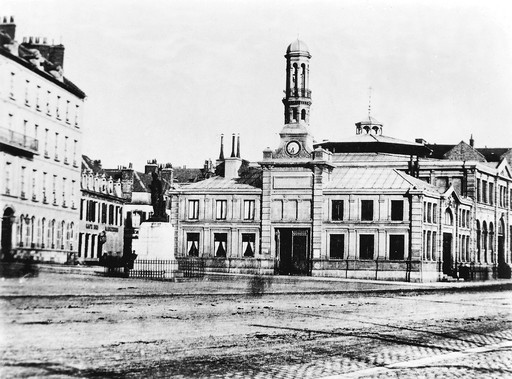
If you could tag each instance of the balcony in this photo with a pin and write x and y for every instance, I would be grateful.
(18, 141)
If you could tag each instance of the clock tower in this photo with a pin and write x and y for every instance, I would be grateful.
(296, 142)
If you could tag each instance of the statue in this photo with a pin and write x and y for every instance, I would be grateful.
(157, 199)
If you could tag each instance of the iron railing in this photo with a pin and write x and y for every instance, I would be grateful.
(156, 268)
(18, 140)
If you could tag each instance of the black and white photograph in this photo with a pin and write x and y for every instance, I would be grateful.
(255, 189)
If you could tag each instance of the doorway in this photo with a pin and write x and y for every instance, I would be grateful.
(293, 251)
(503, 268)
(447, 254)
(7, 221)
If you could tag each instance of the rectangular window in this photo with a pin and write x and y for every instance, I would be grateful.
(396, 246)
(491, 193)
(34, 184)
(103, 213)
(429, 212)
(337, 246)
(220, 244)
(434, 244)
(193, 209)
(248, 244)
(56, 146)
(249, 209)
(337, 210)
(23, 185)
(366, 210)
(484, 192)
(8, 167)
(397, 210)
(221, 208)
(434, 213)
(366, 246)
(193, 244)
(478, 190)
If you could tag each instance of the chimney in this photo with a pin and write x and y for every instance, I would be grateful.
(472, 141)
(167, 175)
(151, 166)
(56, 55)
(238, 146)
(8, 27)
(234, 162)
(233, 147)
(127, 182)
(221, 155)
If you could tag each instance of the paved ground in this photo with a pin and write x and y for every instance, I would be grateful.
(75, 326)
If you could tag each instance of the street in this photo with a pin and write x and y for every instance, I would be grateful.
(72, 326)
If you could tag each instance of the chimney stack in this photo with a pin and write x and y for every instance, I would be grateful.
(151, 166)
(221, 155)
(233, 147)
(472, 141)
(238, 146)
(8, 27)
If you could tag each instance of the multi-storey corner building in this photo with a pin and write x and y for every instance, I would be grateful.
(101, 228)
(40, 153)
(369, 206)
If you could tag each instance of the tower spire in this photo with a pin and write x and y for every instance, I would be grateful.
(297, 100)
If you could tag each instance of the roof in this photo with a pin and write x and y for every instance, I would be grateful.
(369, 121)
(365, 143)
(298, 46)
(24, 56)
(357, 178)
(93, 165)
(250, 179)
(187, 175)
(490, 154)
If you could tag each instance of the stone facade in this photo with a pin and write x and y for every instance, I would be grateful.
(368, 207)
(40, 150)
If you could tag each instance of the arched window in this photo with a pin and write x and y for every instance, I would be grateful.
(294, 114)
(484, 241)
(43, 231)
(20, 230)
(303, 115)
(295, 77)
(491, 241)
(33, 231)
(52, 234)
(448, 217)
(303, 78)
(478, 240)
(71, 237)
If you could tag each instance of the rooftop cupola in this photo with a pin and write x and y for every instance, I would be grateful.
(369, 126)
(297, 100)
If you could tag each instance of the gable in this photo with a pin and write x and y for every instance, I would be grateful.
(464, 152)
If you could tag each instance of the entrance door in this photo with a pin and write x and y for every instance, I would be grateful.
(7, 221)
(447, 253)
(293, 251)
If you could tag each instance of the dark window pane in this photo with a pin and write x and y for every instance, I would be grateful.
(367, 210)
(366, 246)
(220, 242)
(337, 246)
(248, 240)
(397, 210)
(193, 244)
(337, 210)
(396, 247)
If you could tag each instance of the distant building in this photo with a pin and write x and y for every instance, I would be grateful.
(101, 228)
(137, 193)
(369, 206)
(40, 149)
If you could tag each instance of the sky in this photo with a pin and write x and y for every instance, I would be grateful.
(164, 79)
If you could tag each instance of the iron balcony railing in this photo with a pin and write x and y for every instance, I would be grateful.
(18, 140)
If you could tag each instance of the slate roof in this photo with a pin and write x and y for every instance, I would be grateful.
(187, 175)
(250, 179)
(374, 143)
(93, 165)
(354, 178)
(23, 58)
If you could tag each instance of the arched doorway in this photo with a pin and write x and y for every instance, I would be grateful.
(447, 243)
(503, 267)
(7, 222)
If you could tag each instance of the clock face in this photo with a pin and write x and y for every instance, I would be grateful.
(293, 148)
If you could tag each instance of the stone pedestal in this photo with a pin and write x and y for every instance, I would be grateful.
(156, 241)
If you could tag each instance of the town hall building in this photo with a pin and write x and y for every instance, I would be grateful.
(372, 206)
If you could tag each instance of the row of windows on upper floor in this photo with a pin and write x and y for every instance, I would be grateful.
(485, 194)
(337, 210)
(101, 212)
(34, 185)
(56, 146)
(100, 183)
(44, 101)
(41, 233)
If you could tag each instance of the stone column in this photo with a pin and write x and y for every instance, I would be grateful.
(317, 205)
(266, 201)
(416, 228)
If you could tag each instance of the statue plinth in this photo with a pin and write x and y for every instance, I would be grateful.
(156, 241)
